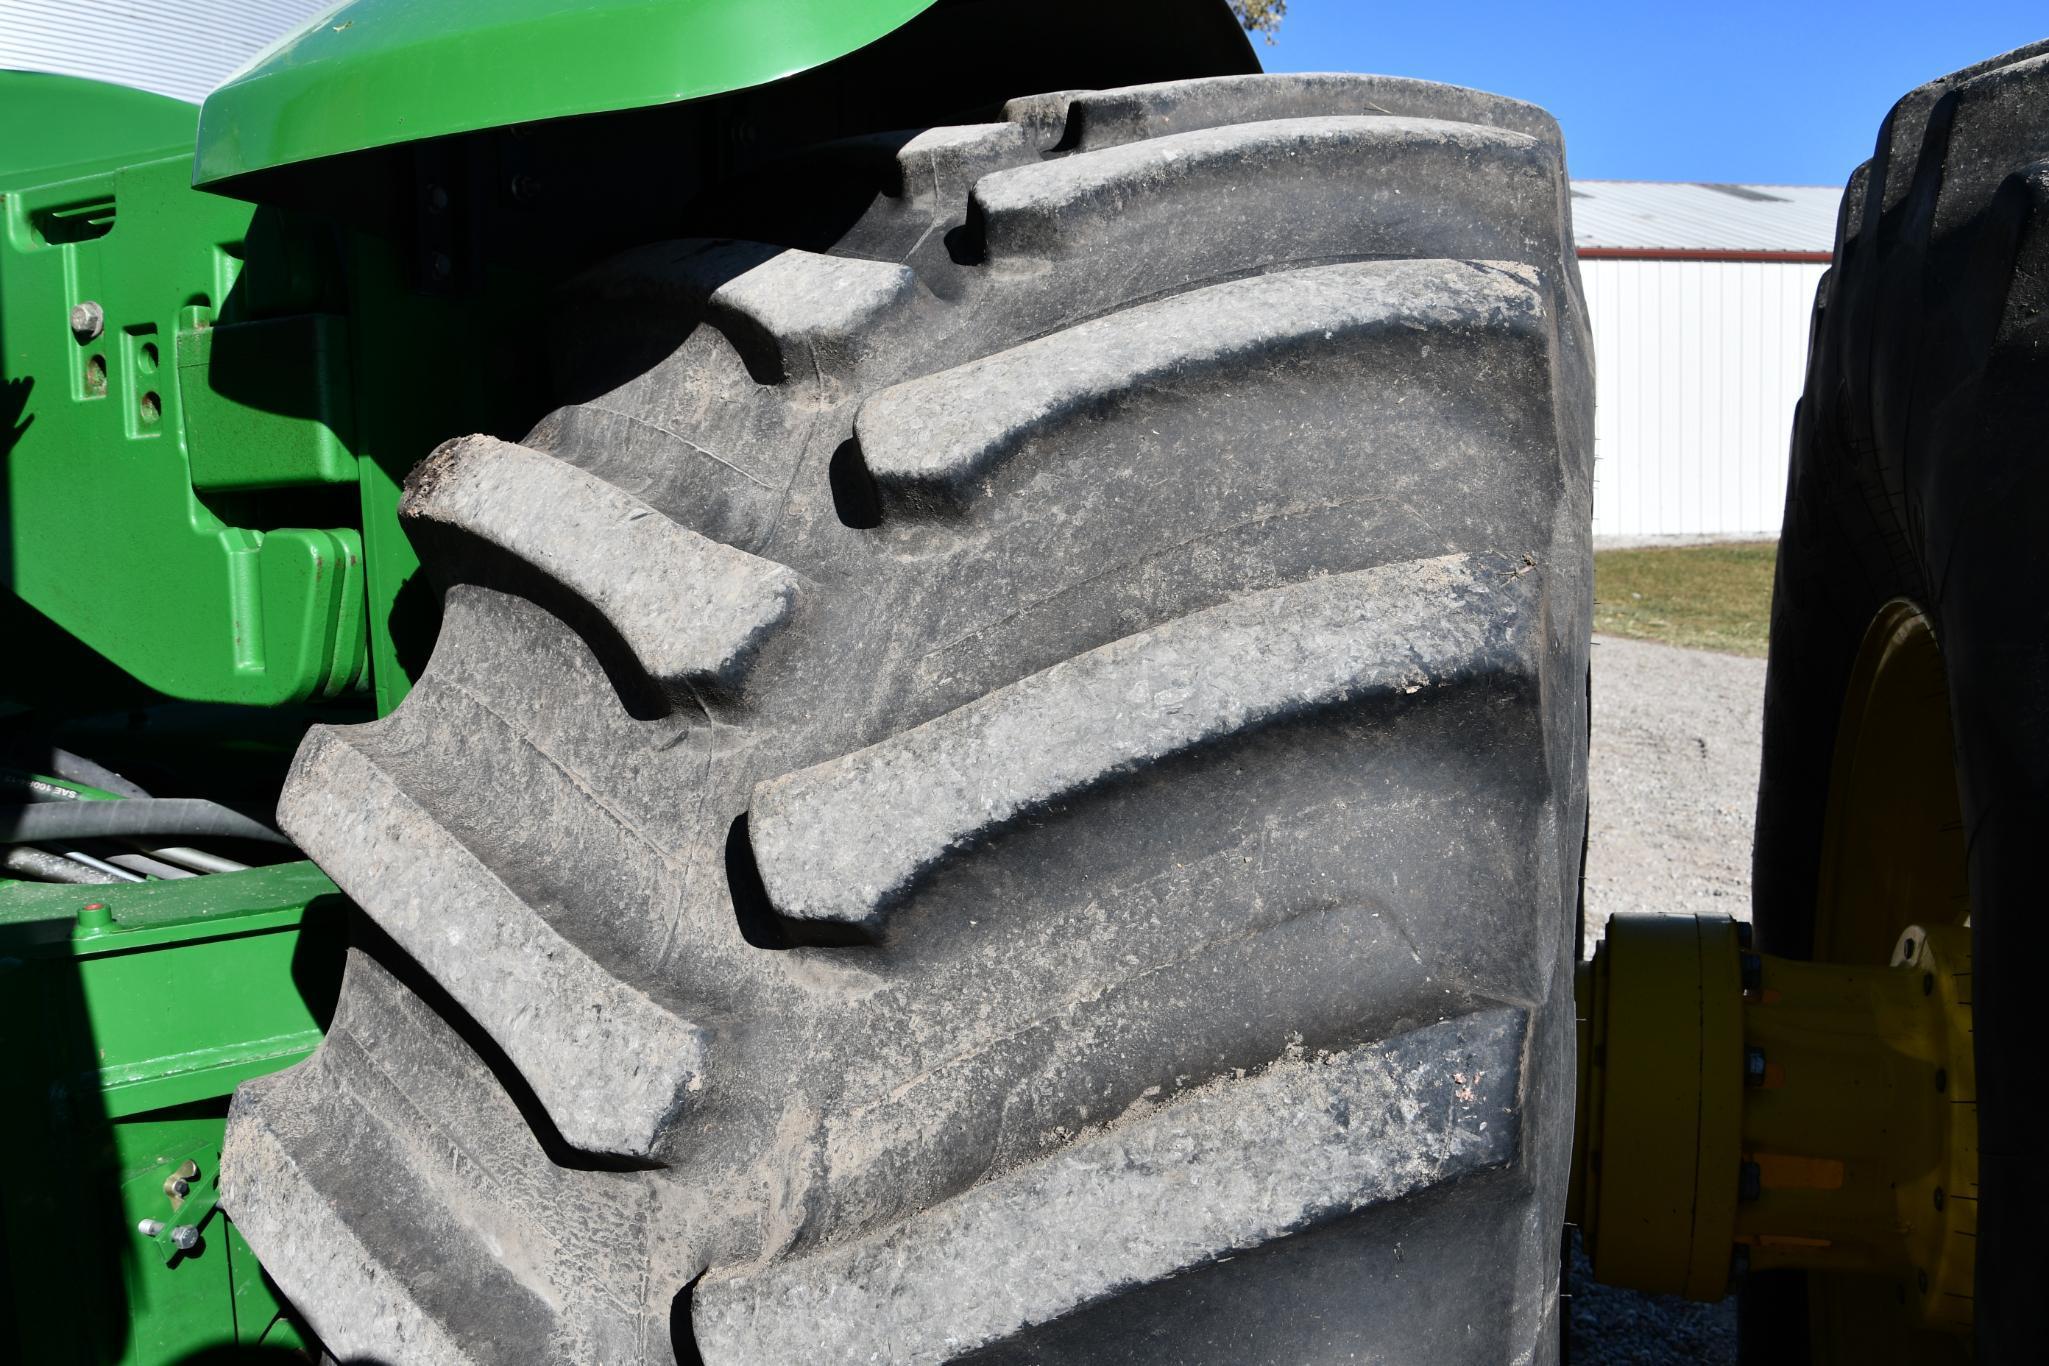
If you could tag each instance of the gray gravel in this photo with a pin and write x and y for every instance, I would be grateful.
(1672, 780)
(1672, 786)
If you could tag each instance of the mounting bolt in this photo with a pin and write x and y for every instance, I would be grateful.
(1753, 972)
(1753, 1067)
(88, 320)
(149, 1228)
(1749, 1183)
(185, 1237)
(177, 1188)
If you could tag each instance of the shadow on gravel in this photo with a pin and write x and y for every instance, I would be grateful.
(1612, 1327)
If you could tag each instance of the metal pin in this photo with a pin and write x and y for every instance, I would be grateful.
(149, 1228)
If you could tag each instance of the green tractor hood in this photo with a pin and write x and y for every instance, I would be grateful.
(373, 73)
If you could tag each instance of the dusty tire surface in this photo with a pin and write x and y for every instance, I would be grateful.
(1007, 785)
(1913, 478)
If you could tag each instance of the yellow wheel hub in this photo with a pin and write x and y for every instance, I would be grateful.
(1740, 1110)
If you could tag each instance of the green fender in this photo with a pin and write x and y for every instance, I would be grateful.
(374, 73)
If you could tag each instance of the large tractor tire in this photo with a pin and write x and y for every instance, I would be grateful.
(1008, 786)
(1906, 747)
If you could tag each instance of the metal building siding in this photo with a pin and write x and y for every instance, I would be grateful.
(180, 48)
(1699, 364)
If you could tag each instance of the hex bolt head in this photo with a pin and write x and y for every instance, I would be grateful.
(88, 320)
(149, 1228)
(1753, 1067)
(185, 1237)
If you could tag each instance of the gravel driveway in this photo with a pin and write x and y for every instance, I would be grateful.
(1672, 788)
(1672, 780)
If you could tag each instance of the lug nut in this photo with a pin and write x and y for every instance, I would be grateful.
(185, 1237)
(88, 320)
(1753, 1067)
(1749, 1184)
(149, 1228)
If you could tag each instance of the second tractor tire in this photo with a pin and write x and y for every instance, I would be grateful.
(1915, 515)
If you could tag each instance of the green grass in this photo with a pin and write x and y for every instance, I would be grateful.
(1704, 597)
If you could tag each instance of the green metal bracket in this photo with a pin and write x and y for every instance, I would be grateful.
(120, 432)
(149, 1002)
(211, 940)
(298, 432)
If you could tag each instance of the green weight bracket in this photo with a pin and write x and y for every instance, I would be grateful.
(136, 431)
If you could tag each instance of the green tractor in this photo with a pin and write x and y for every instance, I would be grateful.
(851, 680)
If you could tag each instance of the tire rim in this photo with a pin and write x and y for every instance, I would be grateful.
(1893, 855)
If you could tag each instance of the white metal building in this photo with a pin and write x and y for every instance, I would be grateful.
(1699, 297)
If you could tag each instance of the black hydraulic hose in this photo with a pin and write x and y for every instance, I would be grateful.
(76, 768)
(179, 817)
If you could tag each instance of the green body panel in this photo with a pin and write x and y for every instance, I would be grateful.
(378, 72)
(132, 1012)
(102, 530)
(61, 127)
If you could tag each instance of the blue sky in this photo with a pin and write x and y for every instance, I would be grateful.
(1789, 93)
